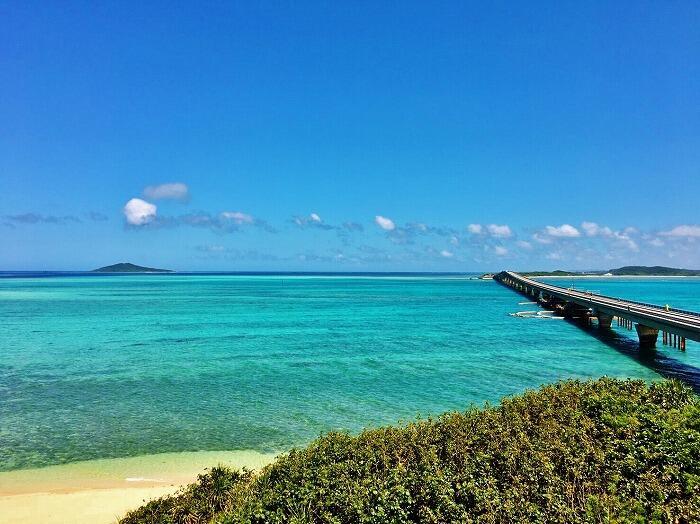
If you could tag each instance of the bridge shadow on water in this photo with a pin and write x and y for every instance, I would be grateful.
(655, 359)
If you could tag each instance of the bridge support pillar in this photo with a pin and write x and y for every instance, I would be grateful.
(568, 310)
(647, 336)
(604, 321)
(573, 310)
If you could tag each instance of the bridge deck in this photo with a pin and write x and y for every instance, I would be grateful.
(682, 323)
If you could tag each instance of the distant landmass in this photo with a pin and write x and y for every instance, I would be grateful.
(655, 271)
(642, 271)
(127, 267)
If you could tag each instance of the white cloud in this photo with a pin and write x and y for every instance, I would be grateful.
(631, 244)
(454, 240)
(553, 256)
(237, 217)
(656, 242)
(541, 239)
(315, 217)
(593, 230)
(171, 191)
(625, 239)
(499, 231)
(475, 229)
(500, 251)
(446, 254)
(139, 212)
(688, 231)
(524, 244)
(385, 223)
(563, 231)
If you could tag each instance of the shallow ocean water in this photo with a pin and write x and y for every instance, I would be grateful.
(119, 366)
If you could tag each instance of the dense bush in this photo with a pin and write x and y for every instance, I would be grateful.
(599, 451)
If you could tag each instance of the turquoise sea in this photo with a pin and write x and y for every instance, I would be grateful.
(116, 366)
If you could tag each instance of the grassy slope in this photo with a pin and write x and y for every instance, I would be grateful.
(603, 451)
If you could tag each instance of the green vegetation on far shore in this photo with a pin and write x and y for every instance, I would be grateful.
(655, 271)
(596, 451)
(127, 267)
(647, 271)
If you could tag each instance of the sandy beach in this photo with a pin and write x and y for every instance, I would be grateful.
(101, 491)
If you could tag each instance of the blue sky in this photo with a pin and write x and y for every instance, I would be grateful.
(443, 136)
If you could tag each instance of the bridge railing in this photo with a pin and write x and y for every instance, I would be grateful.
(670, 309)
(645, 304)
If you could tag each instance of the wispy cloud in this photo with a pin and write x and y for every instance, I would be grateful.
(593, 230)
(345, 232)
(142, 214)
(170, 191)
(494, 230)
(237, 217)
(502, 231)
(353, 226)
(38, 218)
(408, 234)
(563, 231)
(96, 216)
(586, 244)
(312, 220)
(217, 251)
(224, 222)
(625, 239)
(683, 231)
(622, 238)
(541, 239)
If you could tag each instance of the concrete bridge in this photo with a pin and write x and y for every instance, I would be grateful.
(676, 325)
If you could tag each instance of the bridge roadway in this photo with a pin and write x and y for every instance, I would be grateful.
(677, 325)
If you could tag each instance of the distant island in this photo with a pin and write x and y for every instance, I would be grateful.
(127, 267)
(641, 271)
(655, 271)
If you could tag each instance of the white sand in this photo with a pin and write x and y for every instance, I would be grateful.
(89, 506)
(101, 491)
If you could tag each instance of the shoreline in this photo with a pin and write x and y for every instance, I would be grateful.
(103, 490)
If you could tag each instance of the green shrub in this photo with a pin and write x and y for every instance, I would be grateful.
(597, 451)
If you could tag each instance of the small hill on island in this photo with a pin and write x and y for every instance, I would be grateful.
(128, 267)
